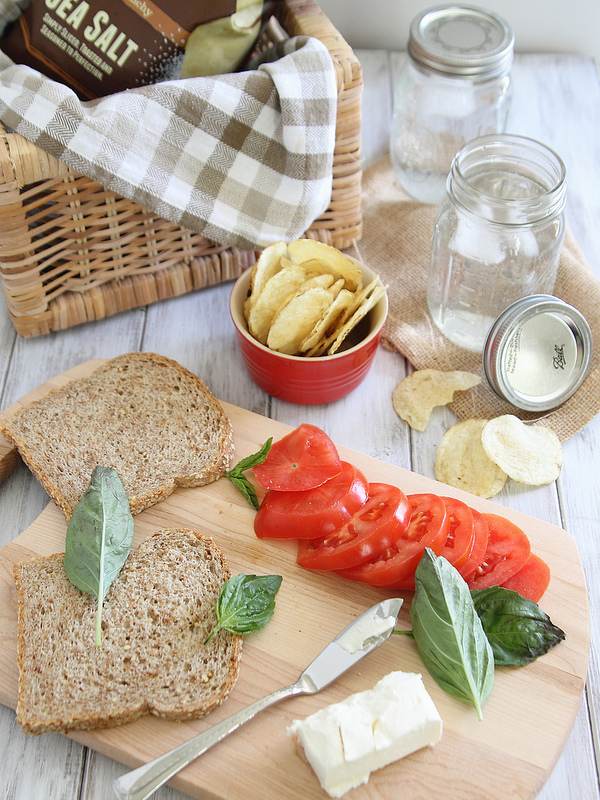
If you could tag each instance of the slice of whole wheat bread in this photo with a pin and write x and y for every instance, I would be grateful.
(153, 659)
(152, 420)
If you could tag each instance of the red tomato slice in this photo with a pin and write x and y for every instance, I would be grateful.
(532, 580)
(302, 460)
(314, 513)
(480, 542)
(378, 524)
(395, 566)
(461, 535)
(507, 551)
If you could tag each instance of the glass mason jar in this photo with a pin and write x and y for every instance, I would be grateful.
(498, 234)
(454, 86)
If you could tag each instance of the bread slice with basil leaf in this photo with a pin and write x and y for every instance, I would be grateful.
(146, 416)
(154, 656)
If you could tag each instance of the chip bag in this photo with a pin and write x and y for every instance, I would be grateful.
(98, 48)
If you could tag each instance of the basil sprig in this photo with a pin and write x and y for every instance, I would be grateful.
(99, 538)
(517, 629)
(246, 603)
(449, 634)
(239, 480)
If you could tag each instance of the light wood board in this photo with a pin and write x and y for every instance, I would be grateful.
(509, 754)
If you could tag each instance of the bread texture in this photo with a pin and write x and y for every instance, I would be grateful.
(146, 416)
(156, 617)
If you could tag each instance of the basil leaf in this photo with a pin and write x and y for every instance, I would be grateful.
(449, 634)
(246, 488)
(252, 460)
(246, 603)
(516, 628)
(236, 475)
(99, 538)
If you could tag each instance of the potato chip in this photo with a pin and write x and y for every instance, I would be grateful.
(330, 260)
(527, 453)
(337, 287)
(296, 319)
(267, 265)
(275, 294)
(328, 321)
(418, 394)
(461, 461)
(361, 312)
(360, 296)
(320, 281)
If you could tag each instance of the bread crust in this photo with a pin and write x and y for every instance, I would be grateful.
(99, 720)
(137, 502)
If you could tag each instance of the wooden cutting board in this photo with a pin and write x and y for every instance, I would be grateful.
(509, 754)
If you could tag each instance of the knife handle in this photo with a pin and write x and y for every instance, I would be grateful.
(140, 783)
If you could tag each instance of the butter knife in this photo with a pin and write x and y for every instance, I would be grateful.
(368, 631)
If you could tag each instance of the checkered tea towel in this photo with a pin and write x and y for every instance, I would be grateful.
(245, 159)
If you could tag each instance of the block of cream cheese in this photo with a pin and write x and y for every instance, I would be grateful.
(346, 741)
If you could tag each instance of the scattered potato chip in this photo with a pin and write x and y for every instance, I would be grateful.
(276, 292)
(360, 312)
(527, 453)
(461, 460)
(267, 265)
(327, 322)
(296, 319)
(330, 260)
(417, 395)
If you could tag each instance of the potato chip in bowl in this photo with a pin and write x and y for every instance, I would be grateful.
(306, 298)
(309, 320)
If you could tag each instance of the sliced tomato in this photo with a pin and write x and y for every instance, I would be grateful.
(302, 460)
(395, 566)
(480, 542)
(460, 536)
(314, 513)
(532, 580)
(372, 529)
(507, 551)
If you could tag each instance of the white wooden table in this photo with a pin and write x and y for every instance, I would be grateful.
(557, 100)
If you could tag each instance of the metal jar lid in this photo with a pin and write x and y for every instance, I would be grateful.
(538, 352)
(462, 41)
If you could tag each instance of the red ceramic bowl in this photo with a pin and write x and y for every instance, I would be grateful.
(308, 380)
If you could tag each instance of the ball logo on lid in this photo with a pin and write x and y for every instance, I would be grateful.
(559, 361)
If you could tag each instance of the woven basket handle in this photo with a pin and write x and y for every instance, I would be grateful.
(9, 457)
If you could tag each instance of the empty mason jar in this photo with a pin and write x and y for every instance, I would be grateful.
(454, 86)
(497, 236)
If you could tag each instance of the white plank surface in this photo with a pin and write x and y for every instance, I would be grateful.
(557, 99)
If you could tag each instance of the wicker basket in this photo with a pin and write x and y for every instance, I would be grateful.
(71, 252)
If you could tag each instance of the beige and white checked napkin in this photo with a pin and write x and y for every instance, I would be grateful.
(245, 159)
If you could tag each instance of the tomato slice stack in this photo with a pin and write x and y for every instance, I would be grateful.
(313, 513)
(373, 533)
(372, 529)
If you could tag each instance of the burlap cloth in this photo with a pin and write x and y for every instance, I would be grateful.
(397, 245)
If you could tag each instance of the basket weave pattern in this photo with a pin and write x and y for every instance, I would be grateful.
(72, 252)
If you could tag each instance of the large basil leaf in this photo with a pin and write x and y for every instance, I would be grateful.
(99, 538)
(517, 628)
(246, 603)
(448, 633)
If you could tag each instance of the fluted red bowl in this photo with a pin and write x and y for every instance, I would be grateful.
(300, 379)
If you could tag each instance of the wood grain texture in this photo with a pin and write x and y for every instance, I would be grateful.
(48, 767)
(275, 656)
(557, 99)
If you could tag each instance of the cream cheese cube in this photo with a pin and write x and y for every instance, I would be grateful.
(346, 741)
